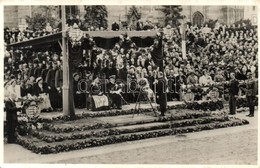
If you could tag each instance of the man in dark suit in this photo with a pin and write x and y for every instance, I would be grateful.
(139, 25)
(114, 92)
(79, 96)
(251, 89)
(11, 117)
(115, 26)
(233, 93)
(161, 85)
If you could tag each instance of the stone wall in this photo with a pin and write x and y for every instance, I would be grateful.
(10, 16)
(13, 15)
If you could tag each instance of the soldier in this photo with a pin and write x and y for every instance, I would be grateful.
(251, 89)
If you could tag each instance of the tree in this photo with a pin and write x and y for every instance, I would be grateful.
(41, 16)
(95, 16)
(172, 15)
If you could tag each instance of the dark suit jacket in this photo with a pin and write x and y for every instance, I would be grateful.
(11, 110)
(233, 89)
(37, 90)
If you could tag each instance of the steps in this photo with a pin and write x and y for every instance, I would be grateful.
(62, 136)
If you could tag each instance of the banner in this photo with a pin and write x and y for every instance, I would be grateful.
(100, 101)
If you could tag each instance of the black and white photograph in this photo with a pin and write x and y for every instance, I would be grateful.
(173, 84)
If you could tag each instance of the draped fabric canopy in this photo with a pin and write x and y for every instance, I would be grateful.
(103, 39)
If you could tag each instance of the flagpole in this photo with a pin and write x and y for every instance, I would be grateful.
(65, 88)
(183, 40)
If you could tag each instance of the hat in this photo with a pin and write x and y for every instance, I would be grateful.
(35, 61)
(249, 73)
(132, 67)
(75, 74)
(38, 79)
(112, 77)
(192, 72)
(11, 81)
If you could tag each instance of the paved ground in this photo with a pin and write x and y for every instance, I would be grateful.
(237, 145)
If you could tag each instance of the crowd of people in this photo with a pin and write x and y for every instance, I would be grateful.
(14, 35)
(115, 76)
(212, 54)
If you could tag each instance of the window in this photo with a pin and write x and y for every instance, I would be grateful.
(253, 8)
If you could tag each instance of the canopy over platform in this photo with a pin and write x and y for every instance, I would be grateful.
(103, 39)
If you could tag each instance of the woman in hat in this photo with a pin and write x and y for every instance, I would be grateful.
(41, 89)
(13, 88)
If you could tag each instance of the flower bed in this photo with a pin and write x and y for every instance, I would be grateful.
(60, 129)
(52, 137)
(46, 148)
(203, 106)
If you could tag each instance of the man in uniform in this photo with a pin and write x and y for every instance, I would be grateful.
(251, 89)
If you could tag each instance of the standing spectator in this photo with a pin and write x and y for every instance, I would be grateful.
(50, 80)
(33, 68)
(11, 117)
(45, 70)
(139, 25)
(59, 84)
(233, 93)
(161, 85)
(41, 89)
(38, 70)
(79, 97)
(115, 26)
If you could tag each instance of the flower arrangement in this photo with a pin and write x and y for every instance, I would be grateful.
(82, 133)
(38, 146)
(200, 106)
(29, 99)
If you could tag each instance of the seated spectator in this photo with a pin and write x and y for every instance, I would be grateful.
(79, 96)
(114, 93)
(48, 28)
(41, 90)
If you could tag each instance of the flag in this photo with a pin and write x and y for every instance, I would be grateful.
(157, 53)
(75, 55)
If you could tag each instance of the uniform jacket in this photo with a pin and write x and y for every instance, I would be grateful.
(251, 88)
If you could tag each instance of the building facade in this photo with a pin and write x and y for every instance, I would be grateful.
(14, 16)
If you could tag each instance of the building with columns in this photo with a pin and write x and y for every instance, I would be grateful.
(14, 16)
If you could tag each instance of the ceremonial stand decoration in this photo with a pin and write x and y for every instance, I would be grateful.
(103, 39)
